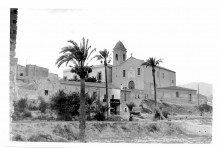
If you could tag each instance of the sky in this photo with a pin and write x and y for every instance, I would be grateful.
(182, 33)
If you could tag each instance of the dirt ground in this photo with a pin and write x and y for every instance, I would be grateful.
(181, 129)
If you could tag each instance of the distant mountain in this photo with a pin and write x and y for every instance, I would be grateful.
(204, 88)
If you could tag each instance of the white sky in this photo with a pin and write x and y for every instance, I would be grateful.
(182, 33)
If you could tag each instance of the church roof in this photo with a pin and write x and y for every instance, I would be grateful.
(119, 46)
(177, 88)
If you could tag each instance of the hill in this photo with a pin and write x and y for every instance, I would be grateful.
(204, 88)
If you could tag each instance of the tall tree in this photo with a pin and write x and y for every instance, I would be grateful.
(153, 63)
(105, 58)
(79, 57)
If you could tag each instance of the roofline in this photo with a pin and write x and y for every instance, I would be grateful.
(177, 88)
(165, 69)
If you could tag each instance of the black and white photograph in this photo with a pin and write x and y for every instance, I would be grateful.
(112, 72)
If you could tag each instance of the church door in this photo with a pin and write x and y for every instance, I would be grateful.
(131, 85)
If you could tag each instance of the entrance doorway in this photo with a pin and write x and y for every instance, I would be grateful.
(131, 85)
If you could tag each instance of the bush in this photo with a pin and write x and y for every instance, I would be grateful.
(90, 79)
(115, 118)
(100, 110)
(65, 105)
(32, 107)
(27, 114)
(43, 105)
(21, 105)
(65, 132)
(41, 138)
(17, 138)
(205, 108)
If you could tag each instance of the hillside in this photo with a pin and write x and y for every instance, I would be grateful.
(204, 88)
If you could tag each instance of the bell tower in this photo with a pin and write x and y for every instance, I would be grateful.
(119, 53)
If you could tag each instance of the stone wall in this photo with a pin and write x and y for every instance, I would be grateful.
(36, 71)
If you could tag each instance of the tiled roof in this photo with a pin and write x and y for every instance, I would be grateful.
(119, 46)
(177, 88)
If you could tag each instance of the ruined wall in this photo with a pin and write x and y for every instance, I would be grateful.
(21, 70)
(36, 71)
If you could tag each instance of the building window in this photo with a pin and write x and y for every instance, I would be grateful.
(21, 74)
(116, 57)
(65, 77)
(177, 94)
(46, 92)
(123, 57)
(99, 76)
(113, 96)
(125, 109)
(123, 73)
(94, 93)
(172, 81)
(139, 71)
(163, 75)
(158, 74)
(190, 97)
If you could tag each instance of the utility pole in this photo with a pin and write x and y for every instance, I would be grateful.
(198, 94)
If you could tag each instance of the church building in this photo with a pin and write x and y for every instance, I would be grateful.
(135, 82)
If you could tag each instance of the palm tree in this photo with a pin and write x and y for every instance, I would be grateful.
(90, 101)
(152, 62)
(105, 58)
(79, 56)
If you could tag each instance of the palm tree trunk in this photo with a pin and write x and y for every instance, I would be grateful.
(155, 89)
(155, 98)
(106, 87)
(82, 112)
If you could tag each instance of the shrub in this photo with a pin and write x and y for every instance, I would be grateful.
(65, 105)
(21, 105)
(43, 105)
(41, 138)
(32, 107)
(205, 108)
(115, 118)
(17, 138)
(65, 132)
(100, 110)
(27, 114)
(90, 79)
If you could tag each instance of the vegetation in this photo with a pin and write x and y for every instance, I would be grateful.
(153, 63)
(130, 107)
(79, 56)
(100, 110)
(43, 105)
(21, 105)
(65, 105)
(204, 108)
(105, 58)
(90, 102)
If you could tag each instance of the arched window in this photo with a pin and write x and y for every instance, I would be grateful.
(131, 85)
(116, 57)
